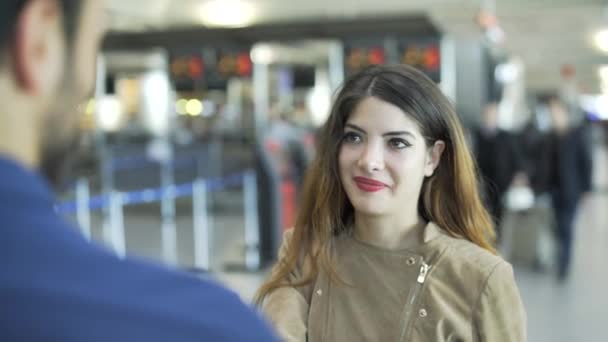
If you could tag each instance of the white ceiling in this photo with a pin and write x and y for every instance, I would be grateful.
(546, 34)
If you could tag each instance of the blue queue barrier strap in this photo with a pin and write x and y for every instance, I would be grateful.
(152, 195)
(95, 203)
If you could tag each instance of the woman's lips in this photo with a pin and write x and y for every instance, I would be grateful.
(368, 184)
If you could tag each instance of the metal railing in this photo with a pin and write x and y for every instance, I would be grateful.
(114, 203)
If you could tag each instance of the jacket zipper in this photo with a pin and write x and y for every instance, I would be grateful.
(411, 299)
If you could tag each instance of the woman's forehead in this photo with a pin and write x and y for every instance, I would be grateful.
(378, 115)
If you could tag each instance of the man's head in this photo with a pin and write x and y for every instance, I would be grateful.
(48, 52)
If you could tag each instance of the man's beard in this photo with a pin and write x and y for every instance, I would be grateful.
(61, 135)
(59, 160)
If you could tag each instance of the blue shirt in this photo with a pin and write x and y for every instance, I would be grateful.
(56, 286)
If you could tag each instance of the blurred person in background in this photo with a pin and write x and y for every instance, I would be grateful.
(532, 144)
(392, 241)
(569, 172)
(54, 285)
(288, 138)
(499, 162)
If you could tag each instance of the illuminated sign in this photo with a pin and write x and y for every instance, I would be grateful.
(209, 68)
(189, 67)
(358, 58)
(420, 52)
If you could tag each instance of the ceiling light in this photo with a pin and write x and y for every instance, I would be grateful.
(603, 72)
(601, 40)
(110, 113)
(227, 13)
(180, 106)
(194, 107)
(262, 54)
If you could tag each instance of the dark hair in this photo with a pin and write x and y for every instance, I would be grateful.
(10, 10)
(450, 197)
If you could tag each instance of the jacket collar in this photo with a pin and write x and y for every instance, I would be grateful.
(22, 187)
(431, 231)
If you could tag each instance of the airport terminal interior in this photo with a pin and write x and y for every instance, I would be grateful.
(206, 112)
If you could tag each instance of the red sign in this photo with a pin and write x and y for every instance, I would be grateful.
(191, 67)
(359, 58)
(421, 56)
(239, 65)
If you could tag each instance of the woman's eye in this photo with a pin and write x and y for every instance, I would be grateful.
(351, 138)
(399, 144)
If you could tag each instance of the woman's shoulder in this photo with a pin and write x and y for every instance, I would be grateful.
(473, 261)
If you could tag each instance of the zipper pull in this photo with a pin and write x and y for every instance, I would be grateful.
(424, 269)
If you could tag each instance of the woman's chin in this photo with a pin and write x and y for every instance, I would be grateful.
(369, 209)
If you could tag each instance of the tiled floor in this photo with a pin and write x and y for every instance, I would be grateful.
(576, 310)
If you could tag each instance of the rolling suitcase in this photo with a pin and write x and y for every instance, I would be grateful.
(528, 237)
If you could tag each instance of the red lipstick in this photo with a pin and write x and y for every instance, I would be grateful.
(369, 185)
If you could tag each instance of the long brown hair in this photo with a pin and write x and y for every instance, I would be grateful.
(450, 197)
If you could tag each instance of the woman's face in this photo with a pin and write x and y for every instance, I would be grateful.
(384, 159)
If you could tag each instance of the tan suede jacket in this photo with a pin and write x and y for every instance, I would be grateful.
(440, 289)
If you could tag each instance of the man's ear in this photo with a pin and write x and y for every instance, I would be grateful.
(37, 43)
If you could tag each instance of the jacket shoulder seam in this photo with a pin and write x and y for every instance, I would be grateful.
(484, 287)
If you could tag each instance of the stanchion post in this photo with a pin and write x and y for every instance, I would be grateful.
(114, 234)
(252, 232)
(202, 229)
(168, 229)
(83, 214)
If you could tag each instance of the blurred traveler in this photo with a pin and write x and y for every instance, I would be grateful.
(569, 165)
(532, 144)
(392, 241)
(498, 161)
(54, 285)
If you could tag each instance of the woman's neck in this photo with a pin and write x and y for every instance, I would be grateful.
(388, 232)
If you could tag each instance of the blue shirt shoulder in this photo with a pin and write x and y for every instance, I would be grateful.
(56, 286)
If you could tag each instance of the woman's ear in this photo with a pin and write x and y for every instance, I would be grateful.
(434, 157)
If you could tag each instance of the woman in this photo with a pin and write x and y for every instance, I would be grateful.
(392, 242)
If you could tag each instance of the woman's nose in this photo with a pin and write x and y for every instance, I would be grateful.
(372, 158)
